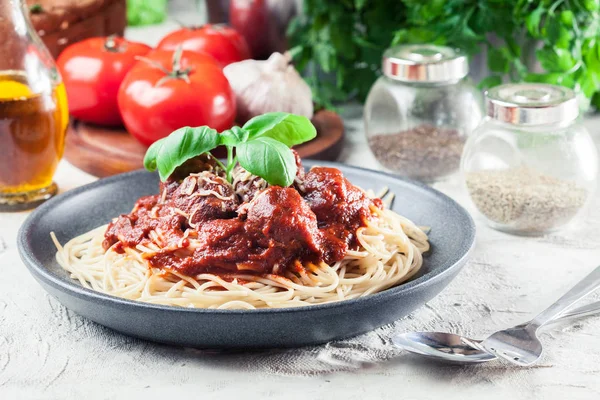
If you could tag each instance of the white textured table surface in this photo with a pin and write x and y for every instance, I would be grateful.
(48, 352)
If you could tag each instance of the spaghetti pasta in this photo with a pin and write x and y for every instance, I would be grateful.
(389, 253)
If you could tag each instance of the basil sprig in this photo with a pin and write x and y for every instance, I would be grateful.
(262, 147)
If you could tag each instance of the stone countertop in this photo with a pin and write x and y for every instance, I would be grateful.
(48, 352)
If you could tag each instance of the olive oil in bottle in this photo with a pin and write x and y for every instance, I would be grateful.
(33, 112)
(32, 132)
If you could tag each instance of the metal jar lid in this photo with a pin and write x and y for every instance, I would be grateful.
(424, 63)
(531, 104)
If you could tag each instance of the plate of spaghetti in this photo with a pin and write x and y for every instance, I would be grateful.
(260, 250)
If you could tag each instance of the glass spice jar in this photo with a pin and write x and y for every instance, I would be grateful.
(418, 114)
(531, 166)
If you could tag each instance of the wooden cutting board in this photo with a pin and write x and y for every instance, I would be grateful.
(102, 151)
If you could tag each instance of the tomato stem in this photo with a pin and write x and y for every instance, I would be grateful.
(111, 45)
(176, 71)
(153, 63)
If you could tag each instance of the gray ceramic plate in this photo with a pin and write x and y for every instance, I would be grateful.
(452, 237)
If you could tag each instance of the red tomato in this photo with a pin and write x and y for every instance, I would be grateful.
(158, 96)
(92, 71)
(223, 43)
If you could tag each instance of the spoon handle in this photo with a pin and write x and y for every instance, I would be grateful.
(586, 286)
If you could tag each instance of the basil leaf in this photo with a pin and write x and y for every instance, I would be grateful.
(233, 136)
(289, 129)
(271, 160)
(183, 144)
(151, 153)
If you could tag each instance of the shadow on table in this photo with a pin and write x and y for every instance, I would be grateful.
(373, 350)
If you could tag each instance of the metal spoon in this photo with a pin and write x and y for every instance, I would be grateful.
(458, 349)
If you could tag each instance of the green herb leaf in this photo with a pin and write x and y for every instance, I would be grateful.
(499, 59)
(553, 78)
(596, 100)
(533, 22)
(591, 5)
(591, 55)
(289, 129)
(566, 18)
(36, 8)
(271, 160)
(151, 153)
(558, 34)
(360, 4)
(490, 81)
(589, 84)
(415, 35)
(321, 36)
(325, 55)
(295, 51)
(181, 145)
(513, 46)
(357, 40)
(555, 59)
(233, 136)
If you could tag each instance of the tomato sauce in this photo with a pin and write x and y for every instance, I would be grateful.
(201, 225)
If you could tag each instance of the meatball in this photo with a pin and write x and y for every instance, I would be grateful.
(341, 208)
(300, 174)
(204, 197)
(247, 186)
(334, 199)
(280, 222)
(201, 163)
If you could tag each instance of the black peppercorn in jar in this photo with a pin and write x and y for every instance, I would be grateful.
(418, 115)
(531, 166)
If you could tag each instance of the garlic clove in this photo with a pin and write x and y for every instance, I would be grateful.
(271, 85)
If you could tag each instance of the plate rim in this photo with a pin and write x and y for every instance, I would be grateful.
(39, 271)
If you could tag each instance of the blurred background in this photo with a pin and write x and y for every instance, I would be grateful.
(515, 40)
(392, 84)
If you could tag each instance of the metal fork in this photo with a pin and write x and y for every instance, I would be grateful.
(520, 345)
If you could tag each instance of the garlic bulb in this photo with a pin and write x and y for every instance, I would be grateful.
(268, 86)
